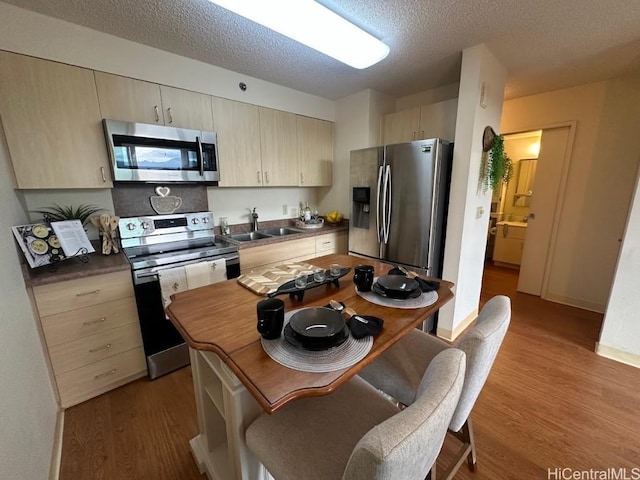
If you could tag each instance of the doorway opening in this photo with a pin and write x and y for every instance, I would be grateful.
(525, 213)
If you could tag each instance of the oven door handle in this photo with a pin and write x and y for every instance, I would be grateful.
(154, 271)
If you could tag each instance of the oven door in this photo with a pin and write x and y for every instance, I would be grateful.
(164, 347)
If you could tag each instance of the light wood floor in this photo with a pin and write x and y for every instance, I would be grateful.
(549, 402)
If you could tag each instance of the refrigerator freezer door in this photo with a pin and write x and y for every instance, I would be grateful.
(412, 191)
(365, 223)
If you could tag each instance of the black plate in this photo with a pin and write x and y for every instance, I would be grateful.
(315, 345)
(379, 291)
(398, 286)
(316, 323)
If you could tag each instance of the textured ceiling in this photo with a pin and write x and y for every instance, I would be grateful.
(544, 44)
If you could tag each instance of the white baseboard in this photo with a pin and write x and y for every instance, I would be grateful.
(574, 302)
(618, 355)
(56, 453)
(450, 335)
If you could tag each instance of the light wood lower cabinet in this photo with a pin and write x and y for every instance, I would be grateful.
(92, 333)
(293, 250)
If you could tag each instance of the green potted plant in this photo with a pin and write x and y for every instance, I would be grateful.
(56, 213)
(495, 165)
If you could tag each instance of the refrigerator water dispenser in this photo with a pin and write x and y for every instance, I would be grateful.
(360, 207)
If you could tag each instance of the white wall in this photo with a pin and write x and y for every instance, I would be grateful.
(235, 203)
(466, 233)
(357, 125)
(600, 180)
(427, 97)
(620, 335)
(29, 408)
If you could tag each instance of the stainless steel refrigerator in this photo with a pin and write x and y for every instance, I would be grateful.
(400, 197)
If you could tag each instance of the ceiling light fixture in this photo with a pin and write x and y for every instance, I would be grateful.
(314, 25)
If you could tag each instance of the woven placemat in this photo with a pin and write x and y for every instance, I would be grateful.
(424, 300)
(338, 358)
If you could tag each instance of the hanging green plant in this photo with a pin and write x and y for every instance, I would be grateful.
(495, 165)
(56, 213)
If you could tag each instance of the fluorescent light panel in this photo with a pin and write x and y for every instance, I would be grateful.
(314, 25)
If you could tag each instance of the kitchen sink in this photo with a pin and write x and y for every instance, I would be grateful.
(279, 232)
(247, 237)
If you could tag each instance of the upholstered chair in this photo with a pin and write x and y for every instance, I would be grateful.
(398, 371)
(356, 433)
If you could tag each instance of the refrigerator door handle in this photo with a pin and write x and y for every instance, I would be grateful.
(386, 202)
(378, 203)
(434, 209)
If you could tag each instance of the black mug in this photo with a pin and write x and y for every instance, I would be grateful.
(363, 277)
(270, 317)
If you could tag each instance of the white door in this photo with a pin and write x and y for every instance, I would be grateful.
(543, 206)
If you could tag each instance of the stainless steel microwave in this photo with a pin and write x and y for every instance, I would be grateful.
(158, 154)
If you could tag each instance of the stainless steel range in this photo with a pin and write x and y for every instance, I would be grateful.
(155, 244)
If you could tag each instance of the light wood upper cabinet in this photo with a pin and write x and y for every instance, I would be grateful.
(185, 109)
(279, 148)
(52, 122)
(401, 126)
(129, 100)
(437, 120)
(315, 151)
(238, 127)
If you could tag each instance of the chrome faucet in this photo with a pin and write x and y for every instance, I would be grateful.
(254, 220)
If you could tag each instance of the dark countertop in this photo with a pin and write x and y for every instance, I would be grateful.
(73, 268)
(98, 264)
(343, 226)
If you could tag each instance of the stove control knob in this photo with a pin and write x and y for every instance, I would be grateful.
(195, 221)
(205, 220)
(145, 225)
(131, 226)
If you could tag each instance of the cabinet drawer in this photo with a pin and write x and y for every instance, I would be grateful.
(326, 243)
(83, 351)
(86, 382)
(83, 292)
(67, 326)
(277, 252)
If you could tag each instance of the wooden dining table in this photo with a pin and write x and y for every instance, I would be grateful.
(233, 374)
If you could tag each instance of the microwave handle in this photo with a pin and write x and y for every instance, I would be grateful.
(199, 156)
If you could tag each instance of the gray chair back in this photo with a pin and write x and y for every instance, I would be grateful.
(407, 444)
(481, 345)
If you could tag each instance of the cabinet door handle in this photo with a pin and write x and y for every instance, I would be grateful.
(97, 349)
(84, 294)
(104, 178)
(421, 133)
(414, 135)
(301, 177)
(170, 116)
(258, 176)
(266, 177)
(93, 322)
(105, 374)
(157, 110)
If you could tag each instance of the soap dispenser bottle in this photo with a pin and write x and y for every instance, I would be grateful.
(306, 212)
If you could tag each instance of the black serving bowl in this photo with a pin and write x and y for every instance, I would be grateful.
(398, 286)
(316, 324)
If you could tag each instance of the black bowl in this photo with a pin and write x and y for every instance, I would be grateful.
(398, 286)
(317, 323)
(316, 344)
